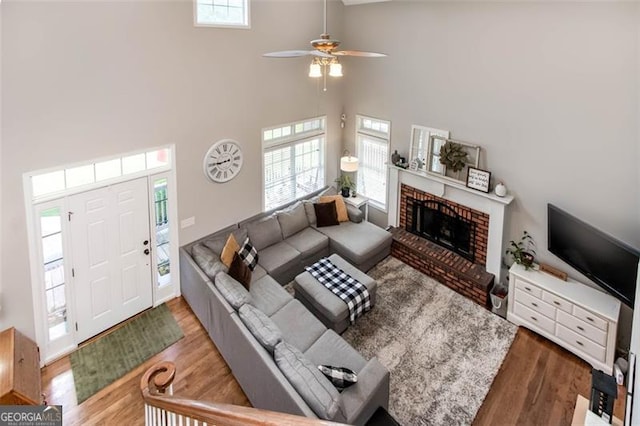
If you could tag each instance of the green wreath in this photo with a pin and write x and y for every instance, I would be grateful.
(453, 156)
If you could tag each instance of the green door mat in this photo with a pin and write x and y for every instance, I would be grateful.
(110, 357)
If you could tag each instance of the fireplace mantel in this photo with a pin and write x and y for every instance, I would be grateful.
(457, 192)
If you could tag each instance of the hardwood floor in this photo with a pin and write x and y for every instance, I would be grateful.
(201, 373)
(537, 384)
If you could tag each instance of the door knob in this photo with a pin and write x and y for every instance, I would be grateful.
(146, 251)
(145, 242)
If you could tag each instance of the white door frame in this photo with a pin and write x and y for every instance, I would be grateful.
(50, 351)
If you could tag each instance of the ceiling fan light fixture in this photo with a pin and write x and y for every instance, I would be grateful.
(315, 70)
(335, 68)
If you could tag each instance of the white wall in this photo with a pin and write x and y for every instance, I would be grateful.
(88, 79)
(548, 89)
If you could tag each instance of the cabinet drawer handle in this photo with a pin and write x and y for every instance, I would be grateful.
(580, 328)
(579, 342)
(527, 288)
(555, 302)
(534, 318)
(534, 304)
(590, 319)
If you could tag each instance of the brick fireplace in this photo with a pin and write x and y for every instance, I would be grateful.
(448, 231)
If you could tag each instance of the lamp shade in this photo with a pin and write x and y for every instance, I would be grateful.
(314, 70)
(335, 69)
(349, 164)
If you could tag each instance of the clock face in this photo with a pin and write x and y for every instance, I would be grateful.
(223, 161)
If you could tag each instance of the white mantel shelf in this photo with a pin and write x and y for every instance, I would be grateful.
(456, 192)
(506, 200)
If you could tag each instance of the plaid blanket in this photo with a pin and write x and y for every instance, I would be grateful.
(351, 291)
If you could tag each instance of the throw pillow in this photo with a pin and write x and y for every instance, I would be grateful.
(313, 387)
(230, 248)
(240, 271)
(207, 260)
(326, 214)
(232, 291)
(340, 377)
(261, 326)
(341, 207)
(249, 254)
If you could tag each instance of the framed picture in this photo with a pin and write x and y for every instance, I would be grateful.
(436, 143)
(478, 179)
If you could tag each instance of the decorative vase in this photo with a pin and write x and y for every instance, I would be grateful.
(501, 190)
(395, 157)
(346, 192)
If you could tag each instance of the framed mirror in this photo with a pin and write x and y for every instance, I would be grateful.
(420, 145)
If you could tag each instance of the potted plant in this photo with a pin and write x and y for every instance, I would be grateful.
(346, 184)
(522, 251)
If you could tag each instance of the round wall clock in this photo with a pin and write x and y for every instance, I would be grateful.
(223, 161)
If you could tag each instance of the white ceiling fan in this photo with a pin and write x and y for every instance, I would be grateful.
(324, 53)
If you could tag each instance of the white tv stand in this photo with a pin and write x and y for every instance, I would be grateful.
(577, 317)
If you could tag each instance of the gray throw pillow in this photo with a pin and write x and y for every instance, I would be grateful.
(316, 390)
(261, 326)
(310, 210)
(232, 291)
(264, 233)
(292, 220)
(216, 244)
(207, 260)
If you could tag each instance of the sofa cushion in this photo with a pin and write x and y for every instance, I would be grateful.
(233, 292)
(326, 214)
(261, 326)
(268, 295)
(356, 242)
(216, 244)
(249, 254)
(341, 206)
(264, 233)
(332, 349)
(278, 258)
(207, 260)
(229, 250)
(321, 396)
(292, 220)
(355, 214)
(240, 271)
(257, 273)
(308, 241)
(299, 326)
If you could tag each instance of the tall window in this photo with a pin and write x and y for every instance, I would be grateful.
(372, 139)
(293, 161)
(222, 13)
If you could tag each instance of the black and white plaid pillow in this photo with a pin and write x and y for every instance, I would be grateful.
(249, 254)
(340, 377)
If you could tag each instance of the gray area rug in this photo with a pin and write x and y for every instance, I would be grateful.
(442, 349)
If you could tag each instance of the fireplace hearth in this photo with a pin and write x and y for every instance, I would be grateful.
(441, 224)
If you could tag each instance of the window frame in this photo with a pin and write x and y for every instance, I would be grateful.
(290, 140)
(245, 26)
(378, 136)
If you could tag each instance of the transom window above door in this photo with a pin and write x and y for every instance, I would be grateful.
(222, 13)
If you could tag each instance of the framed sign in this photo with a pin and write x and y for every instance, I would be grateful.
(478, 179)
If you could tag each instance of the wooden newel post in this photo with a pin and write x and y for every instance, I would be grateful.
(158, 378)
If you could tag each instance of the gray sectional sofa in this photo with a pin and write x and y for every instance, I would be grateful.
(271, 342)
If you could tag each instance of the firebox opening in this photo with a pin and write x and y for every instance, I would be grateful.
(439, 223)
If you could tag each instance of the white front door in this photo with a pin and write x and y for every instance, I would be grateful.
(111, 262)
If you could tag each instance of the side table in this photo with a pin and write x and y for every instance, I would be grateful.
(358, 202)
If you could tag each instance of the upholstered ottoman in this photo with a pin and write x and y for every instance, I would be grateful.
(326, 306)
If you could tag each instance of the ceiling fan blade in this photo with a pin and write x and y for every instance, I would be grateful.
(358, 53)
(296, 53)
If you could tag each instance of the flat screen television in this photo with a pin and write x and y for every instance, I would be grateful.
(608, 262)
